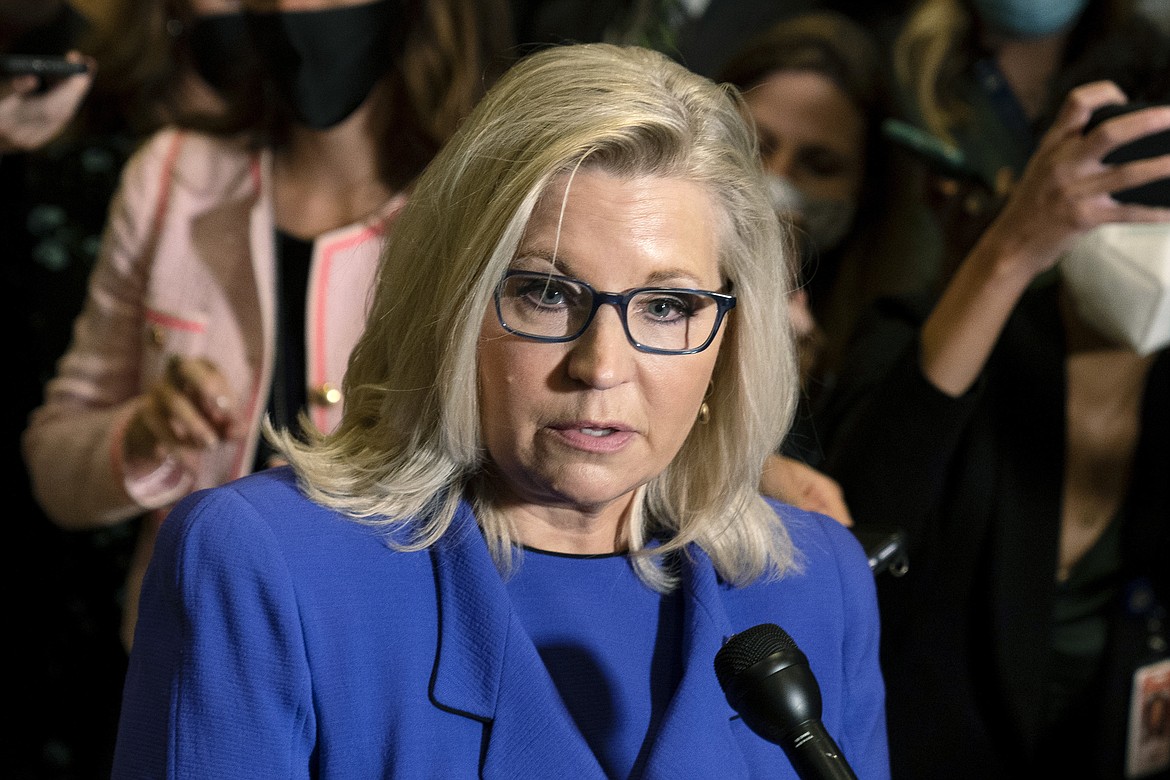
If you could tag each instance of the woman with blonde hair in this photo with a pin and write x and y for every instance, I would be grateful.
(979, 76)
(538, 520)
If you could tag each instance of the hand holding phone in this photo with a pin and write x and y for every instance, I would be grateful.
(45, 66)
(31, 117)
(1155, 193)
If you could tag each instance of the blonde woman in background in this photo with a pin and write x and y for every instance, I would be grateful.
(977, 75)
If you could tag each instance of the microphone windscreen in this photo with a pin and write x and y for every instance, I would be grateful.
(748, 648)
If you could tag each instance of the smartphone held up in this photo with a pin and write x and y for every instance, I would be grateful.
(45, 66)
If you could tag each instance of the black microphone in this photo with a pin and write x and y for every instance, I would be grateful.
(767, 680)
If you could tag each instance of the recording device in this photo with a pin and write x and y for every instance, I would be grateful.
(1155, 193)
(939, 156)
(767, 680)
(885, 548)
(43, 65)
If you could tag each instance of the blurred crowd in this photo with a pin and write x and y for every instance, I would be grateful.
(980, 286)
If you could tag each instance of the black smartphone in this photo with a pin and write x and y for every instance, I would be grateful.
(43, 65)
(885, 548)
(1155, 193)
(944, 159)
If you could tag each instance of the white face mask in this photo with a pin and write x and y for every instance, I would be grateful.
(1118, 276)
(786, 199)
(826, 222)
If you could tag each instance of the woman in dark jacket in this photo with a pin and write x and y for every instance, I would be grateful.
(1023, 443)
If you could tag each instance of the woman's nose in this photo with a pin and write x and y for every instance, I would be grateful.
(602, 356)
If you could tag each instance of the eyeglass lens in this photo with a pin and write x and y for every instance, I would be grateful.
(559, 308)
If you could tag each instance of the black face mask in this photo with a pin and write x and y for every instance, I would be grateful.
(221, 49)
(325, 63)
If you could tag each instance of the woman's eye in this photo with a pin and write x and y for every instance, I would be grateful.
(822, 163)
(667, 308)
(543, 293)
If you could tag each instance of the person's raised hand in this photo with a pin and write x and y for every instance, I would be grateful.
(29, 118)
(1066, 189)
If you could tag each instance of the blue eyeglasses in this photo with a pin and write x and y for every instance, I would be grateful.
(658, 320)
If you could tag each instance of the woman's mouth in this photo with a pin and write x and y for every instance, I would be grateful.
(594, 437)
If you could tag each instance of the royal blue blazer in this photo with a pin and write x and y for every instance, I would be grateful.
(278, 639)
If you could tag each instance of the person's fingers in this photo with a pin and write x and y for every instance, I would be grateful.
(1078, 108)
(30, 119)
(799, 313)
(1135, 173)
(801, 485)
(73, 55)
(1083, 100)
(153, 420)
(1066, 188)
(1136, 212)
(201, 381)
(187, 424)
(824, 495)
(20, 85)
(1097, 177)
(60, 102)
(1126, 128)
(1092, 201)
(175, 421)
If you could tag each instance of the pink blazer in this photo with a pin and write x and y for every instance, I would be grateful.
(187, 267)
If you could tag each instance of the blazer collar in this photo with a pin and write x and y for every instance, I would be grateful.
(698, 713)
(488, 669)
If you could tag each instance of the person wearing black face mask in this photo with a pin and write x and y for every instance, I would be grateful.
(239, 255)
(325, 63)
(221, 50)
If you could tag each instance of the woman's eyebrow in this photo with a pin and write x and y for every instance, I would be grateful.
(675, 275)
(526, 256)
(666, 277)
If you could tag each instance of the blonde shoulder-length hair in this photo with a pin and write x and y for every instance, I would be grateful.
(409, 446)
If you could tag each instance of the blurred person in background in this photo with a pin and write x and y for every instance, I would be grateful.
(977, 75)
(235, 268)
(1017, 427)
(817, 89)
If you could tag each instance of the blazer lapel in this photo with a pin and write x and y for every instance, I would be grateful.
(698, 714)
(262, 242)
(488, 669)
